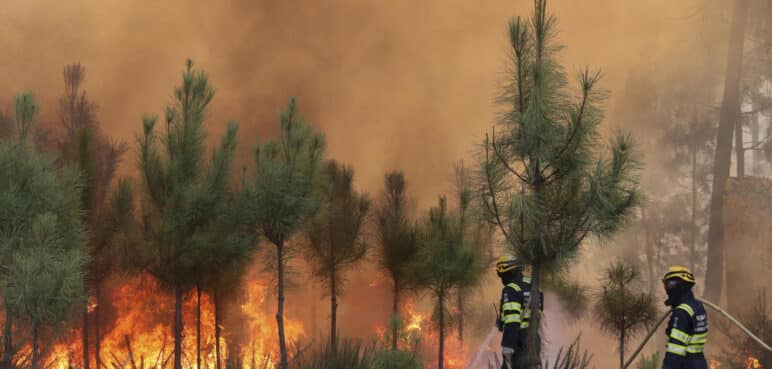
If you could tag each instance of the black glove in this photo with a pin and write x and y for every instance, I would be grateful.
(499, 324)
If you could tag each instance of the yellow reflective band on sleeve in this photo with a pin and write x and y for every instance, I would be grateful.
(511, 318)
(514, 286)
(512, 306)
(685, 307)
(699, 338)
(694, 349)
(676, 349)
(679, 335)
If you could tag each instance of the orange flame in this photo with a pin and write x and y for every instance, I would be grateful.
(456, 353)
(141, 337)
(752, 363)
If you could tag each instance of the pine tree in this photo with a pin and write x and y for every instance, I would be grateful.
(543, 181)
(691, 144)
(730, 111)
(477, 234)
(284, 194)
(445, 262)
(180, 191)
(336, 240)
(97, 158)
(397, 241)
(621, 310)
(42, 238)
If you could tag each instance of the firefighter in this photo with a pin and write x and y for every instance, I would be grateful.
(687, 331)
(513, 303)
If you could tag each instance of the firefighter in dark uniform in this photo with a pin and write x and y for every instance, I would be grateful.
(687, 331)
(514, 313)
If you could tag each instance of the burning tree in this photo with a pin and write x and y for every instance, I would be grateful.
(336, 240)
(397, 243)
(543, 181)
(621, 311)
(446, 261)
(42, 239)
(181, 193)
(96, 157)
(283, 194)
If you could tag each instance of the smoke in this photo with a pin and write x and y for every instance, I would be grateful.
(394, 84)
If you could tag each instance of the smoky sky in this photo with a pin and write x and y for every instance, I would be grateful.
(393, 84)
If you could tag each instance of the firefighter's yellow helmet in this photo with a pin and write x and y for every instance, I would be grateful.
(679, 272)
(506, 263)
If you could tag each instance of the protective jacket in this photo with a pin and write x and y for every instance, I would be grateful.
(687, 333)
(513, 301)
(515, 314)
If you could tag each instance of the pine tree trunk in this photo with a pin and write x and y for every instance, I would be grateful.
(395, 315)
(755, 157)
(649, 251)
(198, 326)
(178, 325)
(97, 334)
(460, 305)
(217, 332)
(441, 349)
(84, 336)
(622, 345)
(738, 145)
(280, 307)
(35, 345)
(7, 338)
(722, 160)
(533, 335)
(333, 311)
(693, 227)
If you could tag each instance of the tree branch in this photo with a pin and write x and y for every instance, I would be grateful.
(501, 159)
(493, 196)
(758, 145)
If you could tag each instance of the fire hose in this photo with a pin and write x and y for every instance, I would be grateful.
(712, 306)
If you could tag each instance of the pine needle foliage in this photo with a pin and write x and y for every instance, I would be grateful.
(42, 238)
(544, 182)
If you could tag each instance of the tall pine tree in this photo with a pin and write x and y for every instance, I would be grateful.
(336, 240)
(180, 191)
(284, 194)
(397, 243)
(543, 181)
